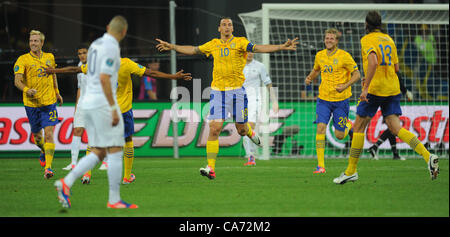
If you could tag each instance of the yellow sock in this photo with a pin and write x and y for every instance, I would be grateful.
(414, 143)
(347, 130)
(128, 158)
(39, 142)
(49, 149)
(88, 150)
(355, 152)
(320, 149)
(250, 131)
(212, 149)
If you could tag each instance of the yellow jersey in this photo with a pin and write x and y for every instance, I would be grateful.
(335, 69)
(385, 81)
(229, 61)
(34, 77)
(124, 91)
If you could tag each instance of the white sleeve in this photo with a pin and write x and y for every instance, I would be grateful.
(79, 79)
(265, 78)
(108, 61)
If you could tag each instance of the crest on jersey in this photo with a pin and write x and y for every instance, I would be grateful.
(233, 45)
(335, 61)
(48, 62)
(109, 62)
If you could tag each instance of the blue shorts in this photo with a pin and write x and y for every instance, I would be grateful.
(389, 105)
(225, 103)
(339, 110)
(42, 117)
(128, 123)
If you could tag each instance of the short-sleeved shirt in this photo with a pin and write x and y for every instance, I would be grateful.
(385, 81)
(335, 69)
(229, 61)
(103, 58)
(34, 77)
(125, 87)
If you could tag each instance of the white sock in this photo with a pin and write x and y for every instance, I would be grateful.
(248, 145)
(86, 163)
(114, 175)
(75, 149)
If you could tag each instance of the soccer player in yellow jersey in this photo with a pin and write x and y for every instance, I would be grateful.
(338, 72)
(124, 95)
(227, 94)
(381, 89)
(40, 94)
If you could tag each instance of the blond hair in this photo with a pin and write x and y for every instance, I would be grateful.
(36, 32)
(333, 31)
(118, 24)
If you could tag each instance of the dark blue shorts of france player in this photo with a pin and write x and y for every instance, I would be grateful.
(231, 102)
(339, 110)
(41, 117)
(389, 105)
(128, 123)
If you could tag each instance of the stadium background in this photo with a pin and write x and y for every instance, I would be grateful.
(68, 23)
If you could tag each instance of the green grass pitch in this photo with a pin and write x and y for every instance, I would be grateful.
(167, 187)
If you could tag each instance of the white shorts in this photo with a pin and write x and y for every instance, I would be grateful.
(78, 118)
(254, 108)
(98, 125)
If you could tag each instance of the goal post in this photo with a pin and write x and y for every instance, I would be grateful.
(421, 35)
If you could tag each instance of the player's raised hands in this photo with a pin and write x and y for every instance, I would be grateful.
(163, 45)
(290, 44)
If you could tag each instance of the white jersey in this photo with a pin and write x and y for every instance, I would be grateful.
(103, 58)
(82, 81)
(255, 72)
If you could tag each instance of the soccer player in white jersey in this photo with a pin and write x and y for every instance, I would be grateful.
(255, 73)
(103, 124)
(78, 120)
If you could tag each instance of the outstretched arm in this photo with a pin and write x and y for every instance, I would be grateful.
(183, 49)
(163, 75)
(269, 48)
(70, 69)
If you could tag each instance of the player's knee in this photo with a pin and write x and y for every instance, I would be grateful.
(214, 132)
(394, 129)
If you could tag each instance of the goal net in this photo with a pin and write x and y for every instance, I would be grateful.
(420, 32)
